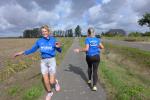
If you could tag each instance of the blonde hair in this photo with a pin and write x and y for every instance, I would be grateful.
(91, 32)
(46, 27)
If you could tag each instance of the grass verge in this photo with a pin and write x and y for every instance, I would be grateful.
(13, 91)
(131, 39)
(33, 93)
(132, 54)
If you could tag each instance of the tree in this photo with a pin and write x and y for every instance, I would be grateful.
(78, 31)
(146, 34)
(31, 33)
(145, 20)
(70, 33)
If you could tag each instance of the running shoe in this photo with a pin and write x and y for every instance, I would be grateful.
(49, 96)
(94, 88)
(57, 86)
(89, 81)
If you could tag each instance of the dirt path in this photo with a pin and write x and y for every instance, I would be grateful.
(72, 74)
(139, 45)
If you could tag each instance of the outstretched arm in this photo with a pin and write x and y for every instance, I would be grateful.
(101, 46)
(86, 48)
(18, 53)
(27, 52)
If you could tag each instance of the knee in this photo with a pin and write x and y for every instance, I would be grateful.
(52, 81)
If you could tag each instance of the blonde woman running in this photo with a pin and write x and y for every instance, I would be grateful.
(48, 47)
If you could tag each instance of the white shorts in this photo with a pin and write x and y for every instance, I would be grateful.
(48, 65)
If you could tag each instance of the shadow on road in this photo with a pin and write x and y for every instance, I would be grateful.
(77, 70)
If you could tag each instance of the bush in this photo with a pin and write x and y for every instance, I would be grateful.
(146, 34)
(113, 34)
(135, 34)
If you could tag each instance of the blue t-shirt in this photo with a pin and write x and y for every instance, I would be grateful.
(46, 46)
(93, 43)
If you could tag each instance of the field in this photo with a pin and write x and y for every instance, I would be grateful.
(20, 77)
(130, 39)
(125, 72)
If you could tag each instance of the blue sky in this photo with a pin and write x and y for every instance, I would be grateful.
(18, 15)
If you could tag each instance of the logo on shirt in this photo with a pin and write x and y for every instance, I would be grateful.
(46, 47)
(93, 43)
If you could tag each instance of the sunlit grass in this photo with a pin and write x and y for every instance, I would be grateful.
(33, 93)
(13, 91)
(131, 39)
(133, 54)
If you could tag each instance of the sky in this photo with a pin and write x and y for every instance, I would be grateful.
(18, 15)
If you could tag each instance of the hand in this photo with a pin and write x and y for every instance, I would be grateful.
(58, 44)
(76, 50)
(18, 54)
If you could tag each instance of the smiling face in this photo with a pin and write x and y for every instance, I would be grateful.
(45, 32)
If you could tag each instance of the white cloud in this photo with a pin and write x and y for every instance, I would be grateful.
(140, 6)
(63, 8)
(118, 14)
(105, 1)
(17, 15)
(4, 24)
(94, 12)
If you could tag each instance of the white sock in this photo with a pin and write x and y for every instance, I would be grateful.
(50, 94)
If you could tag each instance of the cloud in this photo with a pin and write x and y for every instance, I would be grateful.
(140, 6)
(18, 15)
(20, 18)
(118, 14)
(105, 1)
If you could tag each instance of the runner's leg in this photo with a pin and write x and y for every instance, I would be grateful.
(89, 67)
(95, 69)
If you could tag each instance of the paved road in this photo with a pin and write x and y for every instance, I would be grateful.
(139, 45)
(73, 78)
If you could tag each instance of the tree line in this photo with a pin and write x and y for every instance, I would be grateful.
(36, 33)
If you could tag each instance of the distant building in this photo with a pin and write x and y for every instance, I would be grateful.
(116, 32)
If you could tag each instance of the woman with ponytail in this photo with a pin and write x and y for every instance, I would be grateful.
(92, 48)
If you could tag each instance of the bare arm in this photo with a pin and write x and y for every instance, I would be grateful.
(86, 48)
(101, 46)
(27, 52)
(19, 53)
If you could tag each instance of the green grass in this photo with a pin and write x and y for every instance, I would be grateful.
(33, 93)
(133, 54)
(66, 43)
(131, 39)
(120, 85)
(123, 81)
(13, 91)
